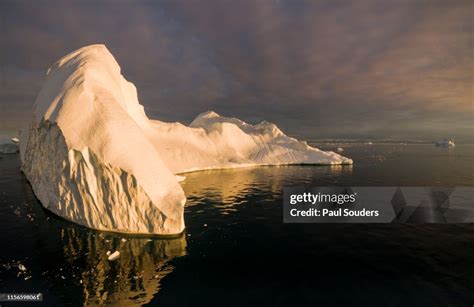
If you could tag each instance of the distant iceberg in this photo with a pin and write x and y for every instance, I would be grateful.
(93, 157)
(445, 143)
(8, 146)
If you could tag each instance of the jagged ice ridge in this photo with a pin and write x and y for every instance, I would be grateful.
(93, 157)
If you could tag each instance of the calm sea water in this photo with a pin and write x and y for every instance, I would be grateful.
(237, 252)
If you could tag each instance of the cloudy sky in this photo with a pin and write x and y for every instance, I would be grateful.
(319, 69)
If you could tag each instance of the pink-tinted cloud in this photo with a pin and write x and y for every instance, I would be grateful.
(318, 68)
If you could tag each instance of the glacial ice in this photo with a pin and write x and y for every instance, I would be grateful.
(448, 143)
(113, 256)
(8, 146)
(93, 157)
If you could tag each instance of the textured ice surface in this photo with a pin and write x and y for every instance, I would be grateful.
(93, 157)
(8, 146)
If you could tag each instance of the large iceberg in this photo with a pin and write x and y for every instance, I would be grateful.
(93, 157)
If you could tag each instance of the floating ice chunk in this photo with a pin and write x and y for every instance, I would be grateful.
(449, 143)
(114, 256)
(8, 146)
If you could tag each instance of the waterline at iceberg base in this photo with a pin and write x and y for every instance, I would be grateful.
(93, 157)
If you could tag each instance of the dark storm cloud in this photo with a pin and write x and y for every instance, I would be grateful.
(317, 68)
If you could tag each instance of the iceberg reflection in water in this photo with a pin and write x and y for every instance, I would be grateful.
(237, 248)
(133, 279)
(67, 262)
(229, 188)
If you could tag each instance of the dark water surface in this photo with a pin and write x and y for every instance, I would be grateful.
(237, 252)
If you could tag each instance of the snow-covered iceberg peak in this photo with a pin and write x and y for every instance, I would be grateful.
(87, 157)
(93, 157)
